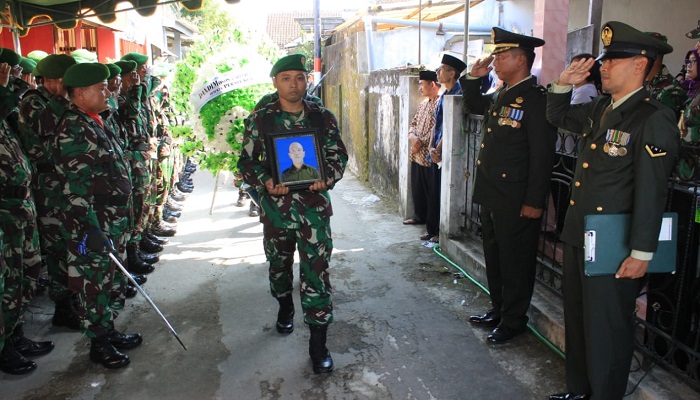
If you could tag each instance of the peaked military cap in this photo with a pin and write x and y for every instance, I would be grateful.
(505, 40)
(126, 66)
(85, 74)
(140, 59)
(623, 41)
(27, 65)
(454, 62)
(114, 70)
(427, 76)
(292, 62)
(10, 57)
(54, 66)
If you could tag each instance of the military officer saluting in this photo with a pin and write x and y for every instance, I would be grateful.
(512, 177)
(628, 149)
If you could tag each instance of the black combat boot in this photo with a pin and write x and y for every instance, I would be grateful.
(149, 258)
(140, 279)
(285, 315)
(168, 211)
(28, 347)
(130, 291)
(102, 352)
(124, 341)
(149, 246)
(66, 314)
(320, 356)
(163, 229)
(13, 362)
(156, 239)
(134, 263)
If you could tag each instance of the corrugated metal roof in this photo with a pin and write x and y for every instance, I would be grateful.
(431, 11)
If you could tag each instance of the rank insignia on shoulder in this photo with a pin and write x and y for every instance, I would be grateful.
(654, 151)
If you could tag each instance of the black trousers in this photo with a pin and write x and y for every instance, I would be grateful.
(599, 315)
(432, 221)
(420, 182)
(510, 251)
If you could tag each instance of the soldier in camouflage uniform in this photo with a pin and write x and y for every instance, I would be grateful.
(137, 142)
(95, 177)
(20, 247)
(39, 113)
(296, 219)
(661, 84)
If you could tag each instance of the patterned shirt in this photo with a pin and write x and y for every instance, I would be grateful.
(422, 126)
(667, 91)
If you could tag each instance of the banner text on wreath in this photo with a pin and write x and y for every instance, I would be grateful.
(225, 83)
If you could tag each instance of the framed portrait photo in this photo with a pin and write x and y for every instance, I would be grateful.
(295, 157)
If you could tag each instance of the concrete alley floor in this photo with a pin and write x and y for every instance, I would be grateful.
(401, 329)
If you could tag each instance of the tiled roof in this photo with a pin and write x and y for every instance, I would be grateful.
(283, 27)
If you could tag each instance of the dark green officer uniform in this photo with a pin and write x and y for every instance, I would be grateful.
(513, 169)
(623, 167)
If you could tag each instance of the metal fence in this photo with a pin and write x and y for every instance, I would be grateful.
(669, 307)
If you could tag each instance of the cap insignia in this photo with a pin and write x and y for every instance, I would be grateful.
(303, 60)
(606, 36)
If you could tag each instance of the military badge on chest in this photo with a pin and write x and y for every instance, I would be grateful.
(510, 116)
(616, 142)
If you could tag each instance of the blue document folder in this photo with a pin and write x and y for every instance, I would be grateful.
(606, 244)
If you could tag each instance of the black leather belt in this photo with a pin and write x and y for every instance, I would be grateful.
(14, 192)
(45, 169)
(111, 200)
(140, 147)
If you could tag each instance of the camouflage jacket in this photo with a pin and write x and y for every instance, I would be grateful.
(667, 91)
(93, 171)
(273, 97)
(292, 209)
(692, 119)
(16, 202)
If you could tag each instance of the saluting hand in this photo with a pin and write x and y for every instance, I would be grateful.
(481, 68)
(576, 72)
(276, 190)
(632, 268)
(4, 74)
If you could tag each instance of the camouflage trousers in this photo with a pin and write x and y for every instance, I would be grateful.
(3, 272)
(141, 197)
(98, 282)
(20, 250)
(315, 245)
(52, 233)
(164, 172)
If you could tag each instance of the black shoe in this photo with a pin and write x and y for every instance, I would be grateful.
(134, 263)
(285, 315)
(184, 188)
(167, 211)
(503, 334)
(155, 239)
(124, 341)
(102, 352)
(28, 347)
(174, 205)
(140, 279)
(13, 362)
(149, 258)
(321, 360)
(66, 314)
(489, 319)
(169, 219)
(178, 197)
(162, 230)
(130, 291)
(149, 246)
(254, 210)
(569, 396)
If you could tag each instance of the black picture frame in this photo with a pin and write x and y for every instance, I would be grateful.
(278, 147)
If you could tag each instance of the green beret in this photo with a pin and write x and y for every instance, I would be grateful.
(85, 74)
(54, 66)
(114, 70)
(292, 62)
(37, 55)
(27, 65)
(140, 59)
(10, 57)
(127, 66)
(623, 41)
(84, 55)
